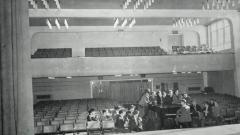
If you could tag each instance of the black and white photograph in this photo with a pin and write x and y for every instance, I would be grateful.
(120, 67)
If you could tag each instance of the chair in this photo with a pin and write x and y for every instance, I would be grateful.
(50, 129)
(42, 123)
(108, 124)
(93, 125)
(38, 129)
(59, 118)
(70, 117)
(80, 126)
(56, 122)
(66, 127)
(68, 121)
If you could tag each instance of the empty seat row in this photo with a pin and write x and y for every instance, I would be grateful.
(75, 127)
(124, 51)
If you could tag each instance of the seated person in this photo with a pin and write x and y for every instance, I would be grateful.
(131, 108)
(106, 115)
(183, 118)
(135, 122)
(176, 97)
(196, 111)
(169, 98)
(120, 121)
(92, 115)
(206, 111)
(115, 112)
(187, 98)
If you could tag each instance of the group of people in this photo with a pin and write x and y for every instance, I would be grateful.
(125, 119)
(132, 118)
(190, 113)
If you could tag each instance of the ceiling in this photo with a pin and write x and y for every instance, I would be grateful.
(106, 21)
(114, 4)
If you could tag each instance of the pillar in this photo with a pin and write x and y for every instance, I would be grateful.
(16, 85)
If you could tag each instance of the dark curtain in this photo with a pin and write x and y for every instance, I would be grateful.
(127, 91)
(16, 115)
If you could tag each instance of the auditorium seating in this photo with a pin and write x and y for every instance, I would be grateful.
(230, 105)
(124, 51)
(69, 116)
(53, 53)
(202, 49)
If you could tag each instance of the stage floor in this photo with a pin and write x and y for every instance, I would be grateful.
(233, 129)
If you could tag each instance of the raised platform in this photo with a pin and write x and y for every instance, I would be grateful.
(216, 130)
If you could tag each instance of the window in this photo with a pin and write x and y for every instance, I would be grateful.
(219, 35)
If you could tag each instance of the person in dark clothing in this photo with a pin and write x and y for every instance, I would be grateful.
(183, 118)
(91, 115)
(120, 120)
(169, 98)
(176, 97)
(197, 115)
(135, 122)
(187, 98)
(159, 98)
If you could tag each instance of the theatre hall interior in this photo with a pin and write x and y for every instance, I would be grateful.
(135, 67)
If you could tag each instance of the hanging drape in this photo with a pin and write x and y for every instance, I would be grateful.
(127, 91)
(16, 114)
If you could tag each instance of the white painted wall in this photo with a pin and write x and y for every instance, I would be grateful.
(79, 40)
(79, 87)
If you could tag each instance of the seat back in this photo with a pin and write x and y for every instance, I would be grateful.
(92, 125)
(109, 124)
(68, 121)
(80, 126)
(66, 127)
(38, 129)
(50, 129)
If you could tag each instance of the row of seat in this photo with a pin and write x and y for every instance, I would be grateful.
(124, 51)
(53, 53)
(75, 127)
(229, 105)
(191, 49)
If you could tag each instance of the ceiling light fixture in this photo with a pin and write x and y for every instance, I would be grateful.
(132, 23)
(33, 3)
(66, 24)
(124, 22)
(116, 22)
(45, 4)
(49, 24)
(51, 78)
(58, 4)
(57, 24)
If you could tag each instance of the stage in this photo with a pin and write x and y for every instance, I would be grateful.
(233, 129)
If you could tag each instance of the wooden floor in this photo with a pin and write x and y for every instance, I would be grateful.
(216, 130)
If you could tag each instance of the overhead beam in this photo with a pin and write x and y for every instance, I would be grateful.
(111, 13)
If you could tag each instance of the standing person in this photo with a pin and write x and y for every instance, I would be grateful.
(159, 98)
(169, 98)
(176, 97)
(216, 113)
(153, 98)
(143, 104)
